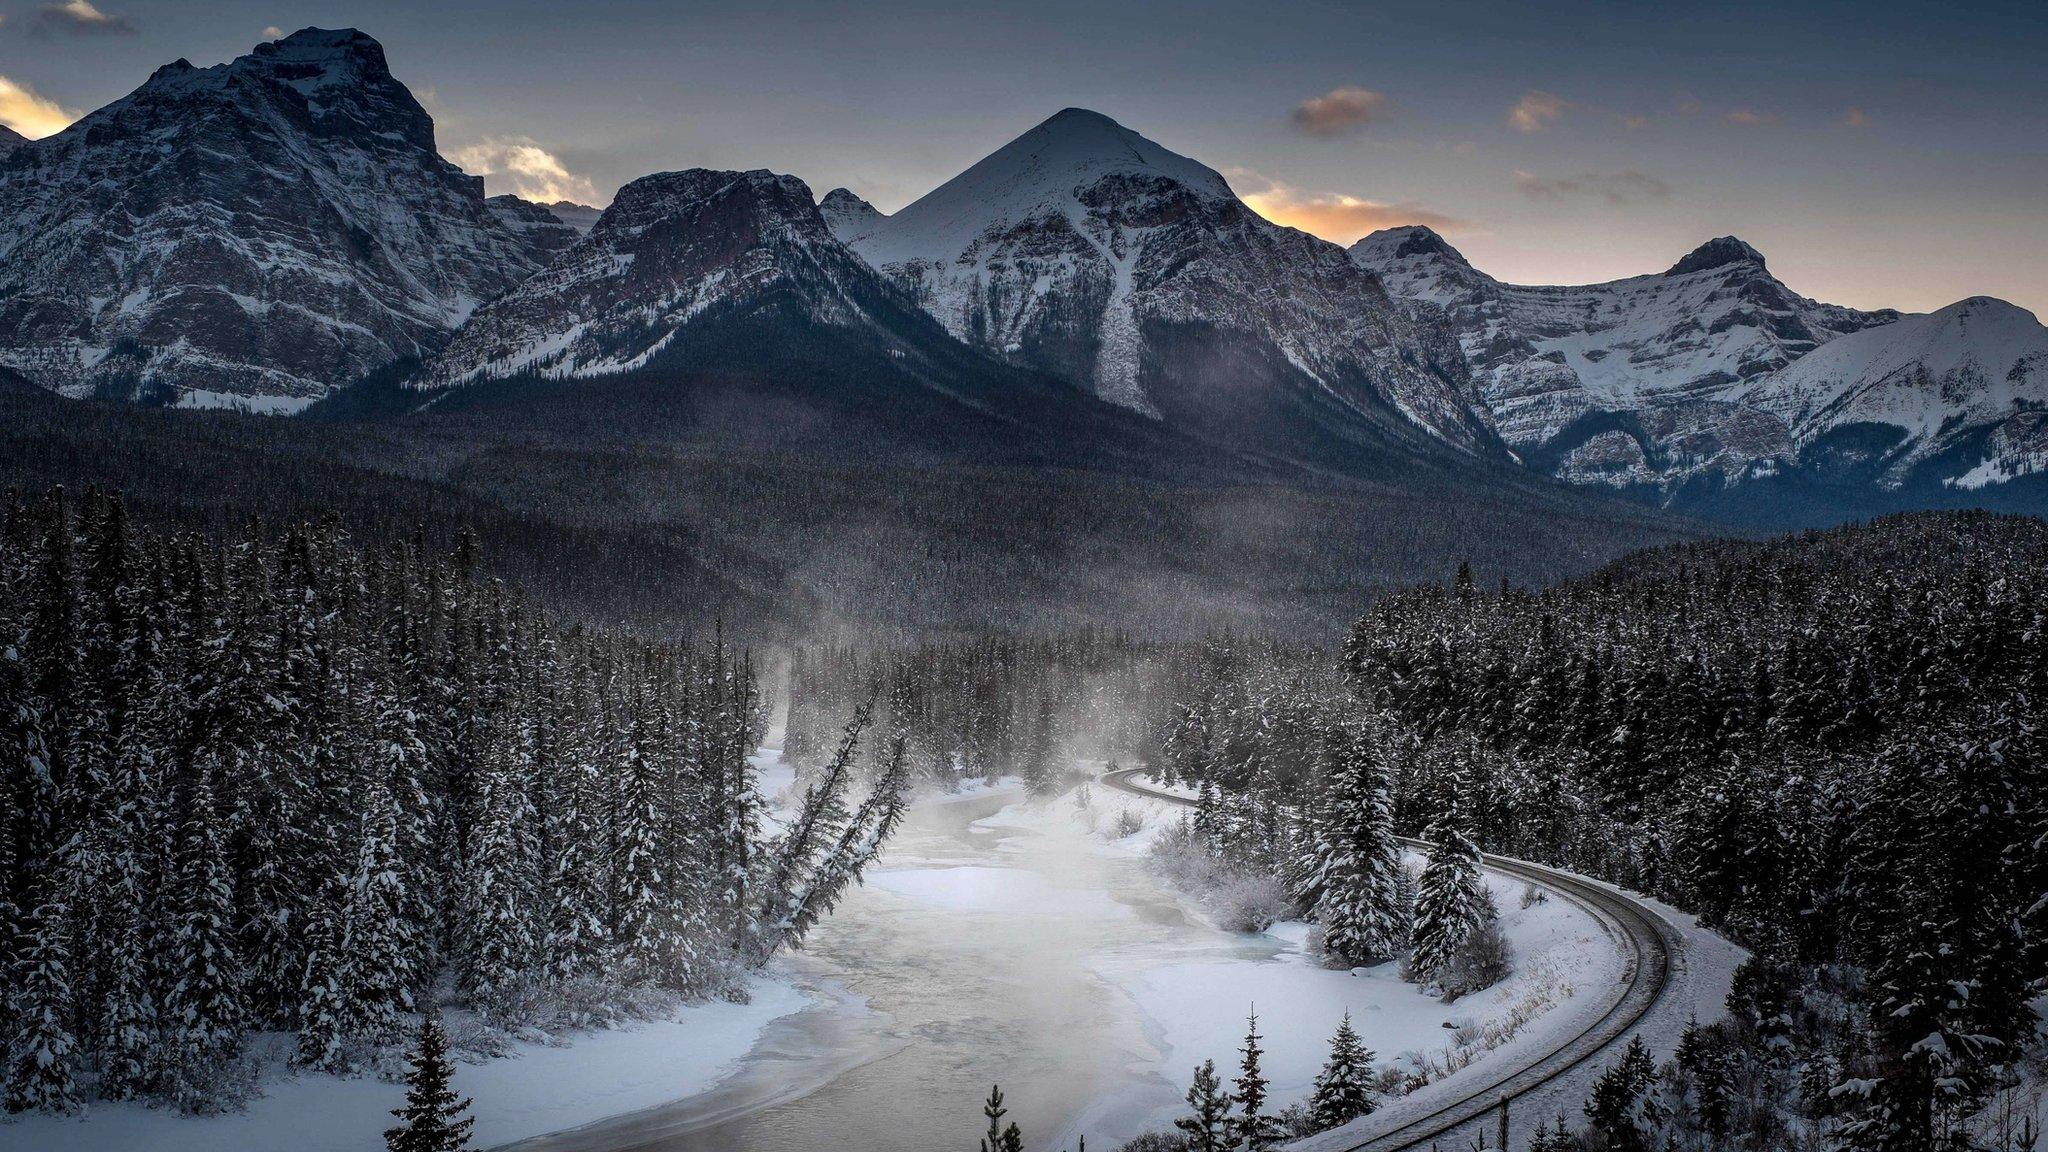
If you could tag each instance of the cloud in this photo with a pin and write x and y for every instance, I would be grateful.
(80, 18)
(273, 32)
(1750, 117)
(1334, 216)
(532, 171)
(1340, 110)
(1624, 187)
(32, 115)
(1537, 111)
(1634, 122)
(1855, 118)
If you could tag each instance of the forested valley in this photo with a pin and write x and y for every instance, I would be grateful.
(1827, 746)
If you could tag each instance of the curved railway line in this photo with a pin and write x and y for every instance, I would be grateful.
(1650, 946)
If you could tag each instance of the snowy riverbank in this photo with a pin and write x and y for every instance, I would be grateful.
(532, 1090)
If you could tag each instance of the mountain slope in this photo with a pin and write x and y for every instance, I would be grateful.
(1087, 251)
(675, 250)
(1962, 391)
(1555, 365)
(255, 233)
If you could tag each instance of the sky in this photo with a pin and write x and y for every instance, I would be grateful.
(1879, 153)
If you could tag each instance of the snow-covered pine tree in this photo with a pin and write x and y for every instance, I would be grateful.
(577, 934)
(1450, 904)
(1363, 910)
(324, 1013)
(1207, 1127)
(494, 937)
(380, 932)
(1344, 1088)
(1252, 1128)
(203, 1012)
(40, 1053)
(432, 1118)
(859, 843)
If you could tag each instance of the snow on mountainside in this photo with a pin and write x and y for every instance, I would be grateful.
(10, 140)
(1977, 366)
(254, 233)
(1086, 250)
(847, 214)
(1671, 352)
(672, 247)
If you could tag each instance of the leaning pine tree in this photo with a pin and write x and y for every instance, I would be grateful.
(1452, 904)
(432, 1119)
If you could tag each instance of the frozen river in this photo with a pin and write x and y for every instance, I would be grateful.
(1005, 944)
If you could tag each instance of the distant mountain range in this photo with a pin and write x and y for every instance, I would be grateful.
(1713, 374)
(281, 230)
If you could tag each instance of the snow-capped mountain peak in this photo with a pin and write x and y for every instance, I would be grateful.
(254, 233)
(847, 214)
(1719, 252)
(1086, 250)
(1977, 369)
(673, 248)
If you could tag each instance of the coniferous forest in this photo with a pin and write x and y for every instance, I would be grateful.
(1827, 746)
(280, 784)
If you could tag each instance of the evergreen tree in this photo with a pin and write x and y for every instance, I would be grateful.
(1362, 911)
(1343, 1090)
(432, 1119)
(1252, 1128)
(1450, 906)
(1000, 1138)
(1208, 1124)
(203, 1010)
(39, 1057)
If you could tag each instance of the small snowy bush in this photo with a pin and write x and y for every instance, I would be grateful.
(1249, 902)
(1532, 896)
(1483, 961)
(1128, 823)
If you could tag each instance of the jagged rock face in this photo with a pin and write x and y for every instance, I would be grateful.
(538, 228)
(1084, 249)
(671, 248)
(1670, 352)
(9, 141)
(258, 233)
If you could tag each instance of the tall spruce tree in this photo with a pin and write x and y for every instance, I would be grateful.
(1450, 906)
(1252, 1128)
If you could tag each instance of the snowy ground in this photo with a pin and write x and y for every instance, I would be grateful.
(534, 1090)
(1194, 1004)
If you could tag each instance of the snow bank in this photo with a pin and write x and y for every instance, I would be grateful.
(533, 1091)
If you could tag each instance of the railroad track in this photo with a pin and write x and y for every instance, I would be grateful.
(1650, 946)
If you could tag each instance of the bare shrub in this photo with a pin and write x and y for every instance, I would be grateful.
(1483, 961)
(1128, 823)
(1533, 895)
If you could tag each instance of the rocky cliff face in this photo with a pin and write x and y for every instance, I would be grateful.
(1084, 249)
(255, 233)
(672, 248)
